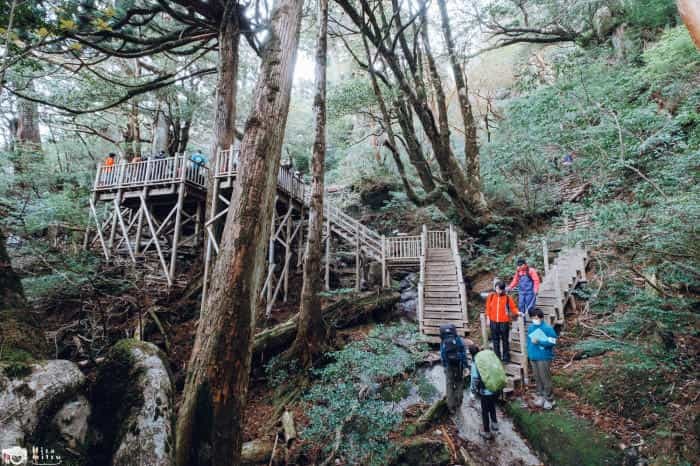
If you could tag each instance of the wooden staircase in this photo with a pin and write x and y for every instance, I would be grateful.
(441, 293)
(566, 272)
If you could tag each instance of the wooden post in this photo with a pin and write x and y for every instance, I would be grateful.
(300, 246)
(545, 256)
(178, 220)
(197, 223)
(523, 349)
(271, 255)
(118, 198)
(328, 254)
(557, 291)
(287, 249)
(357, 256)
(484, 333)
(384, 261)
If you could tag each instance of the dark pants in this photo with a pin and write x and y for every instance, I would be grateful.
(488, 410)
(500, 332)
(454, 381)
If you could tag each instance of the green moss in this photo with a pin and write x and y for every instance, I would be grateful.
(395, 392)
(563, 438)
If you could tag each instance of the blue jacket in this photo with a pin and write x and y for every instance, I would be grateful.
(543, 350)
(476, 377)
(462, 352)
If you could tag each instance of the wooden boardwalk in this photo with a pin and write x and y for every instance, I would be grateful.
(155, 208)
(566, 272)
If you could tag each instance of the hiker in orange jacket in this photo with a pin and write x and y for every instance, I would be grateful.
(528, 282)
(500, 311)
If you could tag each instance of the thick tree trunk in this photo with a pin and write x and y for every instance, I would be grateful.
(311, 331)
(28, 136)
(226, 89)
(161, 128)
(18, 331)
(210, 423)
(471, 147)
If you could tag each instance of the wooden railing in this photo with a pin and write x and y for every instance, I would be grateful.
(421, 276)
(151, 172)
(454, 246)
(438, 239)
(404, 248)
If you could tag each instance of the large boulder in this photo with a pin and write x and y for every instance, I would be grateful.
(32, 393)
(133, 407)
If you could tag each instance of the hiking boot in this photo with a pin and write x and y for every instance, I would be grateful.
(486, 435)
(548, 405)
(494, 426)
(539, 402)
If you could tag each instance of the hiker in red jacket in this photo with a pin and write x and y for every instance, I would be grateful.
(500, 311)
(528, 282)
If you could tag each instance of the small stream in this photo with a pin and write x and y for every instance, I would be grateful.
(506, 449)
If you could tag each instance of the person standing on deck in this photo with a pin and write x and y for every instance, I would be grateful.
(454, 360)
(541, 339)
(528, 282)
(500, 311)
(107, 173)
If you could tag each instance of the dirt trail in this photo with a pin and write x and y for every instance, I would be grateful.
(507, 448)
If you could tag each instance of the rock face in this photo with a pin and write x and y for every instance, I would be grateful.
(409, 296)
(145, 431)
(71, 422)
(27, 399)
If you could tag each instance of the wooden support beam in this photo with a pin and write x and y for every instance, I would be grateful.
(327, 278)
(125, 231)
(147, 214)
(105, 250)
(545, 256)
(357, 257)
(300, 246)
(178, 224)
(271, 253)
(154, 238)
(287, 250)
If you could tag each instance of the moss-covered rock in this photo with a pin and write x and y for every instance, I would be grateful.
(420, 451)
(133, 407)
(564, 439)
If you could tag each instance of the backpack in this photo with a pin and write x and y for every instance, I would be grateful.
(450, 345)
(491, 371)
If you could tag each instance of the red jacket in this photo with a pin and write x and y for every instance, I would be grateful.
(529, 271)
(496, 307)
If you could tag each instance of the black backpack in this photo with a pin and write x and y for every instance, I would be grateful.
(448, 338)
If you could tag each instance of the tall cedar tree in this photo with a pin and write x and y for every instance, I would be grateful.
(311, 329)
(211, 417)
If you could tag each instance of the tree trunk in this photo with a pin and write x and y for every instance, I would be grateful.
(28, 136)
(18, 331)
(226, 88)
(311, 331)
(161, 127)
(471, 147)
(210, 422)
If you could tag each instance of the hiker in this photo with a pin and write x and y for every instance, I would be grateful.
(108, 171)
(488, 398)
(568, 160)
(500, 311)
(541, 339)
(528, 282)
(198, 159)
(454, 360)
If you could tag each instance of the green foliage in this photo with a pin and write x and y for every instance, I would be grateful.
(563, 438)
(358, 389)
(650, 13)
(674, 53)
(16, 362)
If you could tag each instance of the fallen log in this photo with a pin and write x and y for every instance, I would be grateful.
(256, 452)
(343, 313)
(435, 412)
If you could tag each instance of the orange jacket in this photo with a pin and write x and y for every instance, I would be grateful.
(496, 307)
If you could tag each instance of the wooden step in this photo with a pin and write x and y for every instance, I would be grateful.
(459, 324)
(436, 331)
(427, 307)
(428, 295)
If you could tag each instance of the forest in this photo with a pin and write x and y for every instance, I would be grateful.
(350, 232)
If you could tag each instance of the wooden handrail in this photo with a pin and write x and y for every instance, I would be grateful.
(460, 280)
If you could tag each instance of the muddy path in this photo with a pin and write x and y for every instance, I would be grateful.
(507, 448)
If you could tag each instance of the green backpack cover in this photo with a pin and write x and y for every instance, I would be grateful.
(492, 373)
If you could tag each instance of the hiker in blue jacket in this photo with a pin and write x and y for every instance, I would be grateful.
(488, 399)
(541, 339)
(454, 360)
